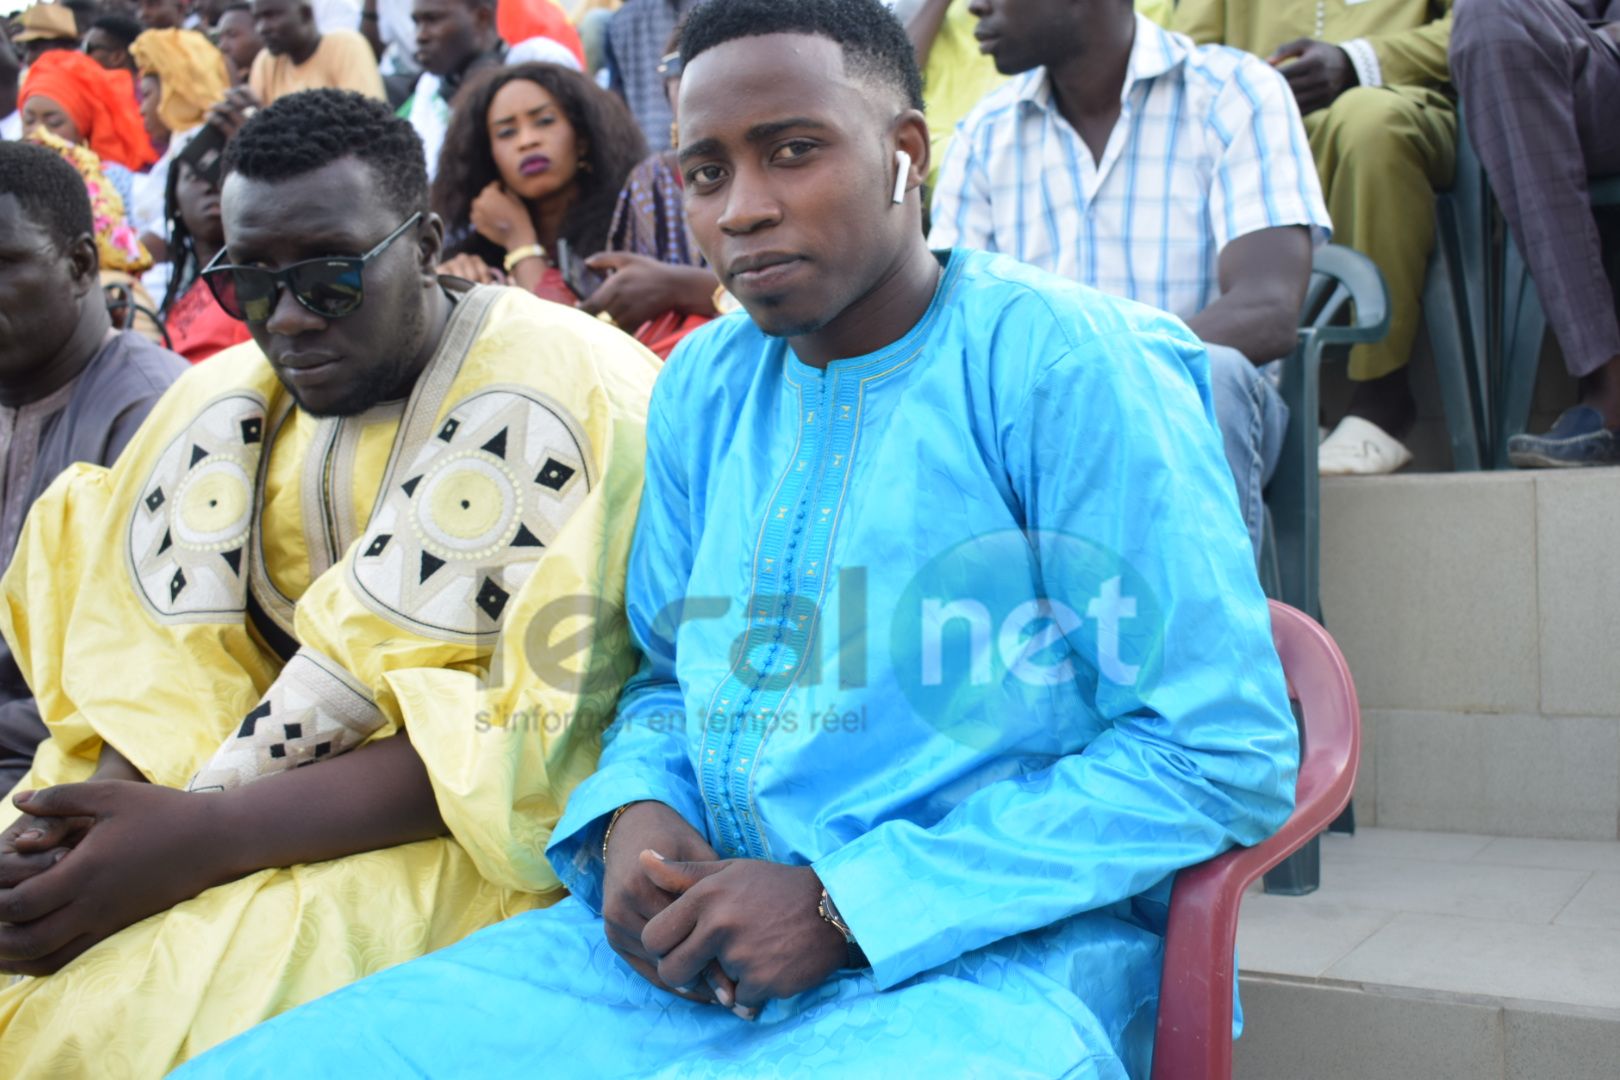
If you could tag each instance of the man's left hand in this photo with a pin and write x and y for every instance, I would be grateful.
(758, 919)
(1317, 72)
(148, 850)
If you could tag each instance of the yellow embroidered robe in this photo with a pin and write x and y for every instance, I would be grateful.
(252, 588)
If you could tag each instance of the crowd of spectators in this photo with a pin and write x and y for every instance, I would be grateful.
(1164, 166)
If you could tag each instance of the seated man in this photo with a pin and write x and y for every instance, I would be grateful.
(1128, 159)
(1538, 145)
(306, 557)
(71, 387)
(1370, 79)
(941, 842)
(298, 56)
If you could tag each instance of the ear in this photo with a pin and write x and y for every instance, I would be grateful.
(430, 244)
(84, 265)
(911, 135)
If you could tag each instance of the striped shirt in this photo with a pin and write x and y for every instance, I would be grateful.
(1208, 147)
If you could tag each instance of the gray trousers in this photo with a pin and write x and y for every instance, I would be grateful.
(1540, 91)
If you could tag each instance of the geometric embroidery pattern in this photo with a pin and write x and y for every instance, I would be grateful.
(313, 711)
(471, 513)
(188, 529)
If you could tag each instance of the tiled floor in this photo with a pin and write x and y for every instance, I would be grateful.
(1451, 914)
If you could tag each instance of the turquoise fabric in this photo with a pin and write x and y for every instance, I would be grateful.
(970, 625)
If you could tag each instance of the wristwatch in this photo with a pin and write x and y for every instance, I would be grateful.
(853, 956)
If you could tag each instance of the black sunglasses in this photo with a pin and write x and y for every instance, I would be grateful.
(332, 287)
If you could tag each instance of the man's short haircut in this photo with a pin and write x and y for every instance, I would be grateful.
(121, 28)
(874, 43)
(50, 191)
(311, 129)
(235, 5)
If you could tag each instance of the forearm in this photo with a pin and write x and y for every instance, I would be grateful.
(115, 766)
(693, 289)
(1259, 326)
(922, 19)
(375, 797)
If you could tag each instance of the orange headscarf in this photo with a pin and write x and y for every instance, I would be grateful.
(101, 103)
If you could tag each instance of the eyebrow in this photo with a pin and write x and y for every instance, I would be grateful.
(536, 111)
(757, 134)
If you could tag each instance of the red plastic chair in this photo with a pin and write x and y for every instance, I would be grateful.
(1194, 1038)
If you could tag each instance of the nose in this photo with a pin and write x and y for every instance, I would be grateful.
(979, 8)
(750, 204)
(289, 318)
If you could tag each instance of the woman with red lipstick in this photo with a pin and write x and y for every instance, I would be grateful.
(539, 181)
(529, 175)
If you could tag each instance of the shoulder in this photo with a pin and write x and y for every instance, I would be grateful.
(136, 367)
(1224, 77)
(344, 43)
(1000, 106)
(720, 353)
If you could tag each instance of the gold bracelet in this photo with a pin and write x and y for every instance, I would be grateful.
(607, 833)
(518, 254)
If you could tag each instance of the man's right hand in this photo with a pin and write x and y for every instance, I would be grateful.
(629, 897)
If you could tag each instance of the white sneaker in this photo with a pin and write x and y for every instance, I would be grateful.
(1360, 447)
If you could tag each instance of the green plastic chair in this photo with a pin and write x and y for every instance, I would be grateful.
(1455, 305)
(1524, 325)
(1346, 304)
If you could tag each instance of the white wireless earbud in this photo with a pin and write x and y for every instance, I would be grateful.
(901, 174)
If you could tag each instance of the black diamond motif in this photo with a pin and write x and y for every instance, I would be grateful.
(168, 542)
(554, 474)
(154, 500)
(525, 538)
(492, 599)
(430, 566)
(197, 453)
(448, 432)
(252, 429)
(251, 720)
(293, 731)
(376, 547)
(409, 486)
(497, 445)
(234, 558)
(176, 583)
(279, 750)
(322, 749)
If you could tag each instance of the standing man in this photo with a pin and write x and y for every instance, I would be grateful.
(71, 387)
(1371, 80)
(1128, 159)
(1539, 81)
(453, 39)
(836, 830)
(302, 570)
(297, 56)
(636, 38)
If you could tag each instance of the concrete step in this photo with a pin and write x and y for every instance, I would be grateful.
(1480, 614)
(1437, 955)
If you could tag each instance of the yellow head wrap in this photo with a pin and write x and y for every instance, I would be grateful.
(192, 73)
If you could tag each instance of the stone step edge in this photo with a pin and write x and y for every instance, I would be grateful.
(1421, 993)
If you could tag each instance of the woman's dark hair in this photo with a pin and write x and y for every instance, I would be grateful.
(183, 264)
(613, 146)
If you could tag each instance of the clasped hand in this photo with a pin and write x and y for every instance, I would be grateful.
(86, 860)
(1317, 72)
(739, 932)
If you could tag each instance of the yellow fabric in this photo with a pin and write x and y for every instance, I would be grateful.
(1160, 11)
(1410, 37)
(342, 61)
(1381, 153)
(71, 605)
(191, 74)
(956, 77)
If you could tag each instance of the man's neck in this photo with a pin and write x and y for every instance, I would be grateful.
(300, 54)
(883, 316)
(438, 317)
(88, 339)
(1088, 84)
(492, 53)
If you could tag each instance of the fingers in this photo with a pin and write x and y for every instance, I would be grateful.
(1289, 49)
(64, 800)
(600, 300)
(608, 260)
(31, 900)
(674, 876)
(50, 963)
(18, 868)
(41, 834)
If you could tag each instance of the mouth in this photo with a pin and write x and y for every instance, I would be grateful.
(755, 273)
(534, 165)
(987, 42)
(308, 367)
